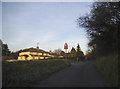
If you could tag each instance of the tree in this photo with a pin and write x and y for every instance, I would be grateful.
(78, 48)
(73, 53)
(62, 53)
(57, 51)
(79, 53)
(88, 55)
(102, 27)
(15, 55)
(5, 50)
(1, 46)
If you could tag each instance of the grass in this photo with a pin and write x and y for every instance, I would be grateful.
(108, 66)
(25, 73)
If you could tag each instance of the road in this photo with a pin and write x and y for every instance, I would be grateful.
(78, 75)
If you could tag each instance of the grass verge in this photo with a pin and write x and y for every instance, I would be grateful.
(25, 73)
(108, 66)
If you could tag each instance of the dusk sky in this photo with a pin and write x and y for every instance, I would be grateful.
(24, 24)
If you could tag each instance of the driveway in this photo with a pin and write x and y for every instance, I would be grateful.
(82, 74)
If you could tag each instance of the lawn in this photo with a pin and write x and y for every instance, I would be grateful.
(26, 73)
(108, 66)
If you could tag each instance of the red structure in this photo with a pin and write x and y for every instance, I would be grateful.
(65, 47)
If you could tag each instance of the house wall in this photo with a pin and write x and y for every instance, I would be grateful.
(23, 53)
(41, 57)
(29, 57)
(21, 57)
(46, 57)
(37, 55)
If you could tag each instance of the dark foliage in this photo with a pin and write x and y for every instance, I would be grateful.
(102, 27)
(5, 50)
(79, 53)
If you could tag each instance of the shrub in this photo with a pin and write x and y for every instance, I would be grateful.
(109, 68)
(25, 73)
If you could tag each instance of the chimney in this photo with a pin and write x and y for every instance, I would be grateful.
(37, 46)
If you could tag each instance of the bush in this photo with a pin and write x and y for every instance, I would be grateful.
(25, 73)
(109, 68)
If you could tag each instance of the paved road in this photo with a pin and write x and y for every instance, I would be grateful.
(78, 75)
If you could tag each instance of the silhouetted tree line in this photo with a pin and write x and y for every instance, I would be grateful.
(74, 54)
(6, 53)
(4, 49)
(102, 27)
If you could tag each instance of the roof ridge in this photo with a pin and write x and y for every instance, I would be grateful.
(33, 50)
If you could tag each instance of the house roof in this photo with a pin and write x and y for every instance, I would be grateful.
(33, 50)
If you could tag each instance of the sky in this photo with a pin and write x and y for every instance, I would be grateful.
(51, 24)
